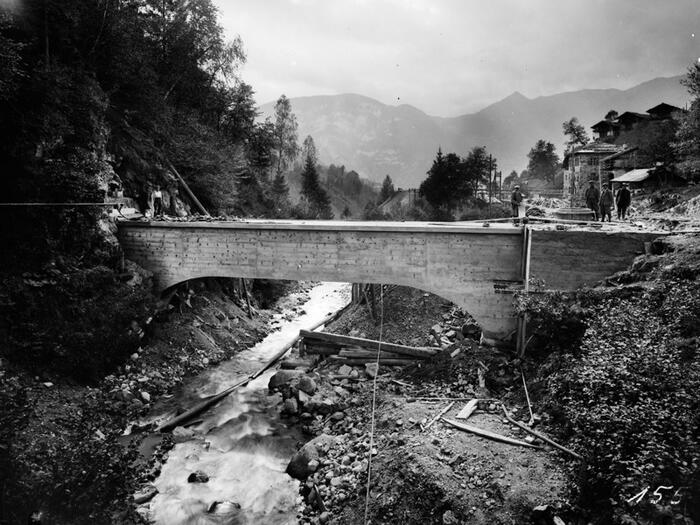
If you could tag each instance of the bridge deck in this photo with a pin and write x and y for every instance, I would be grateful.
(337, 226)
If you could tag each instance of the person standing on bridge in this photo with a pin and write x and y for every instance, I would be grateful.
(623, 201)
(606, 203)
(158, 202)
(592, 197)
(516, 199)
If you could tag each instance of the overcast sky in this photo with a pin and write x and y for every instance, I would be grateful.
(449, 57)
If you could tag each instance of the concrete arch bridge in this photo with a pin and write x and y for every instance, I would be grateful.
(478, 268)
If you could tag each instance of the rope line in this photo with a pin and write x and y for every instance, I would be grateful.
(374, 401)
(60, 203)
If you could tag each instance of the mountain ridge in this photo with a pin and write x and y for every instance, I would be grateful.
(376, 139)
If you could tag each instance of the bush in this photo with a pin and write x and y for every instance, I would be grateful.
(626, 391)
(80, 324)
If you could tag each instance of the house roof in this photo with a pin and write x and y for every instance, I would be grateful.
(605, 123)
(638, 175)
(663, 108)
(619, 154)
(632, 115)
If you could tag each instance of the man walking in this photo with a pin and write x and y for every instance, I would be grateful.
(623, 201)
(592, 196)
(516, 198)
(606, 203)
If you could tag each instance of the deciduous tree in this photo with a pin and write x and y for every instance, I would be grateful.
(575, 132)
(286, 145)
(543, 161)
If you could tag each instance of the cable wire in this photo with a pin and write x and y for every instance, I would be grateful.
(374, 401)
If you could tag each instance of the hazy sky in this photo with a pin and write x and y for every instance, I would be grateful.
(449, 57)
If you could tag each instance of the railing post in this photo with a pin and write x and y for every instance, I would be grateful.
(521, 332)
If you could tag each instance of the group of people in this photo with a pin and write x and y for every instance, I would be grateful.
(602, 202)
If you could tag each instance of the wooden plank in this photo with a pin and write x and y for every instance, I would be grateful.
(368, 343)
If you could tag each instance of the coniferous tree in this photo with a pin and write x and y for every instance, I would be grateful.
(317, 200)
(387, 190)
(280, 196)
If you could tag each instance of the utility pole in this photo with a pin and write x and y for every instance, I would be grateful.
(490, 189)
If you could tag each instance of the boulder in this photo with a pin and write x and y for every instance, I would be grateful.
(306, 384)
(302, 463)
(283, 378)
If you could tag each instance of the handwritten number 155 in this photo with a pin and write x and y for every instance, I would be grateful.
(657, 495)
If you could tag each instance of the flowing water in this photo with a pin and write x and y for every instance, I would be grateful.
(242, 444)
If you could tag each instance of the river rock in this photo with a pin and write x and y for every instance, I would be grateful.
(371, 369)
(145, 494)
(290, 406)
(303, 397)
(182, 434)
(198, 477)
(300, 467)
(223, 507)
(282, 378)
(345, 370)
(306, 384)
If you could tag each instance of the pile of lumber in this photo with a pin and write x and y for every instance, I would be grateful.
(358, 351)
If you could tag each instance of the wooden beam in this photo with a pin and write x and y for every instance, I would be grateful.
(346, 340)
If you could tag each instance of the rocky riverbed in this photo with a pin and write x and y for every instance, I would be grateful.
(421, 473)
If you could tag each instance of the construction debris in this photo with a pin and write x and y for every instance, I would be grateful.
(442, 413)
(538, 435)
(487, 433)
(468, 409)
(349, 350)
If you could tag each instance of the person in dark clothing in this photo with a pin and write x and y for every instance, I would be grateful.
(592, 196)
(516, 198)
(606, 203)
(623, 201)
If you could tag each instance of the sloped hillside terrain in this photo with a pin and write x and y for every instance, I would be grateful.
(377, 139)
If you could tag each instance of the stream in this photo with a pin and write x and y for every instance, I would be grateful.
(242, 444)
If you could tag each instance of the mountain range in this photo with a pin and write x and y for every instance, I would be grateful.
(376, 139)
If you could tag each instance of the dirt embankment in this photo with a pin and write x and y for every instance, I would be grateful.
(62, 451)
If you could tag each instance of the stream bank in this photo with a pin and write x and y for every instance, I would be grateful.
(61, 441)
(228, 465)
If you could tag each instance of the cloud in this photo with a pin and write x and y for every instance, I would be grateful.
(453, 56)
